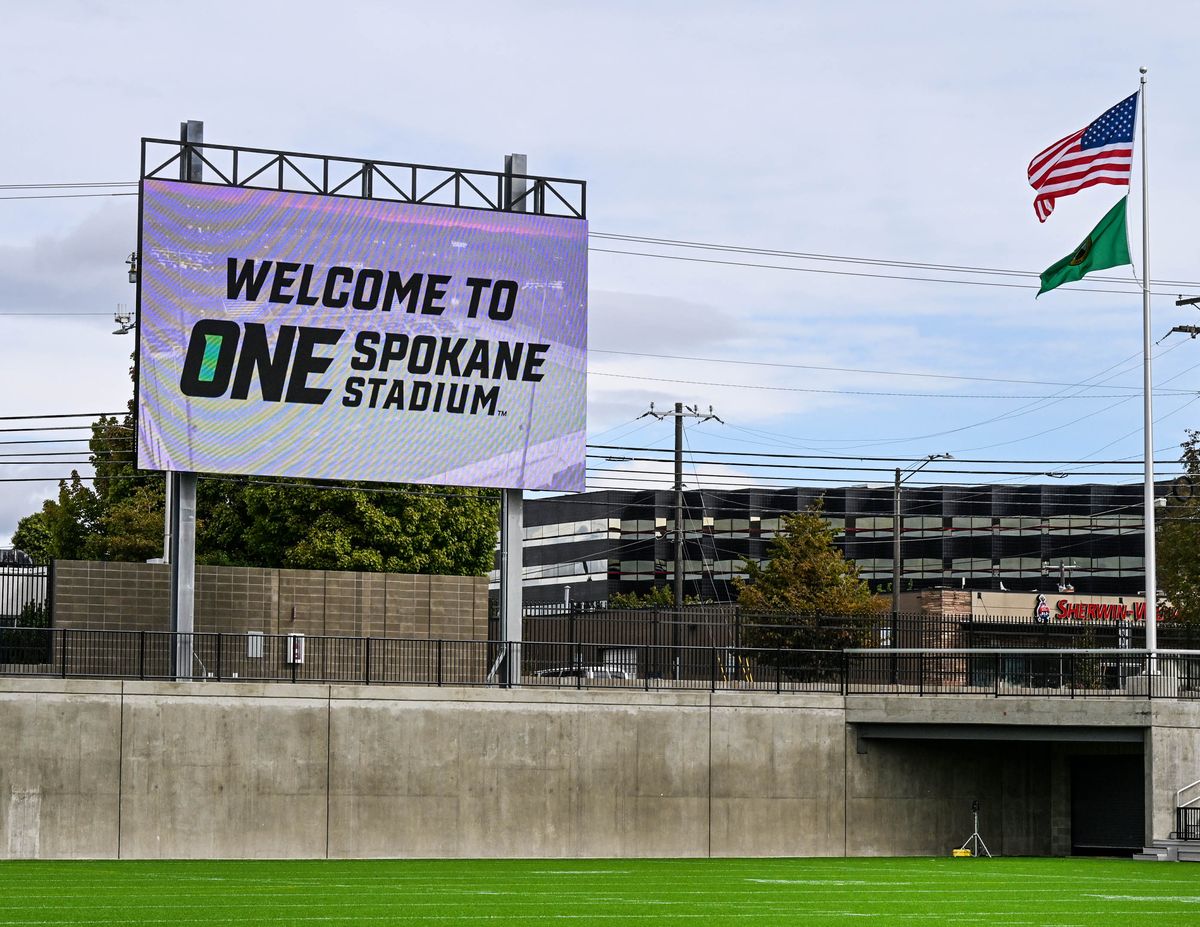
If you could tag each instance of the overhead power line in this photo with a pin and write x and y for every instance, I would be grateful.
(66, 186)
(845, 468)
(49, 441)
(850, 259)
(29, 418)
(922, 495)
(39, 463)
(124, 446)
(899, 459)
(858, 370)
(52, 428)
(867, 392)
(857, 273)
(710, 247)
(62, 196)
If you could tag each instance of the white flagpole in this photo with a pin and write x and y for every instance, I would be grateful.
(1147, 390)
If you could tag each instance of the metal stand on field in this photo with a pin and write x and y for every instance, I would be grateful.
(975, 842)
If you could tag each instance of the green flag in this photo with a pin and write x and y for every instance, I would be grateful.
(1107, 246)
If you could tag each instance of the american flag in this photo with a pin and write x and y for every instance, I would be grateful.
(1101, 152)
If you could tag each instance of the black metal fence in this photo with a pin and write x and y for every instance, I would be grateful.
(24, 612)
(24, 591)
(1050, 673)
(730, 626)
(158, 655)
(1187, 823)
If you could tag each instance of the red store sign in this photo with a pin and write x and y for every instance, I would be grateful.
(1099, 611)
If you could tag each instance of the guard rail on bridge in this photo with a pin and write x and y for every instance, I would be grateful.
(222, 657)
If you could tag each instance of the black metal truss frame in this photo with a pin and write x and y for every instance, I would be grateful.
(360, 178)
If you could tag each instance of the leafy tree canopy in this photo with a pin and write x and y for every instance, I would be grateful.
(267, 523)
(806, 577)
(658, 597)
(806, 573)
(1178, 537)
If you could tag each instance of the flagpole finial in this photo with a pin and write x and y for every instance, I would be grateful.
(1142, 71)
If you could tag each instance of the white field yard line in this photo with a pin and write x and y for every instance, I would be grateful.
(745, 903)
(1186, 899)
(779, 889)
(613, 917)
(580, 872)
(946, 880)
(697, 899)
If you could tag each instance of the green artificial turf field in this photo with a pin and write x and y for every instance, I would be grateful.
(986, 893)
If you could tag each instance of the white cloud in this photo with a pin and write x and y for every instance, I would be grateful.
(873, 129)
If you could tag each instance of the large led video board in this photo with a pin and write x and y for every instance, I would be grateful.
(326, 337)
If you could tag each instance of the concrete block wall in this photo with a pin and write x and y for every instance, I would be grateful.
(128, 596)
(230, 599)
(136, 597)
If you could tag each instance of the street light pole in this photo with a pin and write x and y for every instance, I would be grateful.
(897, 563)
(897, 568)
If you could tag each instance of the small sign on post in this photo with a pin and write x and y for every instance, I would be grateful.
(295, 648)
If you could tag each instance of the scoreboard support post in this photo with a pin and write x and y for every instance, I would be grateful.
(181, 489)
(512, 505)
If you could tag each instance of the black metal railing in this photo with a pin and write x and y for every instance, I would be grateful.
(730, 626)
(1049, 673)
(160, 655)
(1187, 823)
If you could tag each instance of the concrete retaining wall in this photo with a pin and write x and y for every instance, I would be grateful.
(160, 770)
(60, 775)
(1172, 762)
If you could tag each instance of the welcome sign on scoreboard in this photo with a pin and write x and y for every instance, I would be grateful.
(291, 334)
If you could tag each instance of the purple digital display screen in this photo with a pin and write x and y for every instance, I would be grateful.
(290, 334)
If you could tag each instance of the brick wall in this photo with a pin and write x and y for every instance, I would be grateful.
(136, 597)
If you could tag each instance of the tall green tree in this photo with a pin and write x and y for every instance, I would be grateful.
(403, 529)
(243, 521)
(63, 527)
(1177, 533)
(34, 534)
(806, 578)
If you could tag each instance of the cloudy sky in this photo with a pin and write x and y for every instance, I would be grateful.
(876, 131)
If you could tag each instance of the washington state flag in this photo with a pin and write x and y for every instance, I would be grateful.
(1106, 246)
